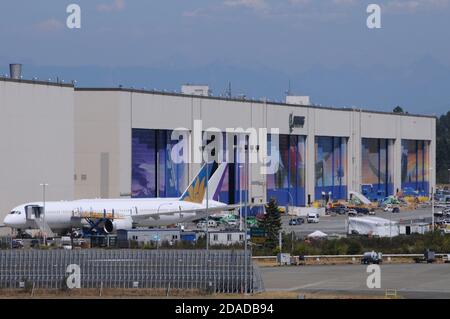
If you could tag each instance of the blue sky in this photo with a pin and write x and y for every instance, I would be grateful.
(322, 46)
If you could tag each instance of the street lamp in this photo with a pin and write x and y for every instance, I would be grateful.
(43, 185)
(432, 202)
(323, 198)
(207, 208)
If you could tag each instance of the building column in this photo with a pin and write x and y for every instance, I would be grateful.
(397, 156)
(310, 164)
(354, 153)
(432, 157)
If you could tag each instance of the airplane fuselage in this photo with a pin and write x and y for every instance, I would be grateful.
(74, 214)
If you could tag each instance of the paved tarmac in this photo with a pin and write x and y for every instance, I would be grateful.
(337, 224)
(410, 280)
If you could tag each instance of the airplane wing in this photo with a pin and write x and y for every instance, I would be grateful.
(211, 210)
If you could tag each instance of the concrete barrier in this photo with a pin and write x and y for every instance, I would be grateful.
(345, 259)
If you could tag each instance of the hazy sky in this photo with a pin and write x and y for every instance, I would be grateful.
(322, 46)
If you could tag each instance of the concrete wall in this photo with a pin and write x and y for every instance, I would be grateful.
(103, 145)
(117, 111)
(36, 142)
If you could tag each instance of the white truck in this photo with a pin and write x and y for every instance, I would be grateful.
(313, 218)
(66, 243)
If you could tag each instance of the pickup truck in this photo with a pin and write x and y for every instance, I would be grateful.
(371, 257)
(428, 257)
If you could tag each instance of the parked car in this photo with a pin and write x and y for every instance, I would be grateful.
(339, 209)
(362, 210)
(211, 224)
(352, 212)
(17, 244)
(201, 224)
(296, 221)
(429, 257)
(232, 222)
(66, 242)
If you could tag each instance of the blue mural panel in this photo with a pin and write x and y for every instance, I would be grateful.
(154, 172)
(377, 163)
(331, 167)
(287, 185)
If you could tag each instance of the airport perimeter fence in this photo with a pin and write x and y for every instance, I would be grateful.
(5, 242)
(213, 271)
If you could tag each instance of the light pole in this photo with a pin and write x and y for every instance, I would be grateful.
(245, 237)
(207, 207)
(323, 198)
(43, 185)
(241, 223)
(432, 202)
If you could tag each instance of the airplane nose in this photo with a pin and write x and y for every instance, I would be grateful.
(13, 221)
(7, 220)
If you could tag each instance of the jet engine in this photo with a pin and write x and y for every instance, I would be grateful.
(112, 226)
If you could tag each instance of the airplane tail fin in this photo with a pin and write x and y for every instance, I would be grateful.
(197, 189)
(216, 181)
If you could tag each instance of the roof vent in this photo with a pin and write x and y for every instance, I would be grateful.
(298, 100)
(201, 90)
(15, 71)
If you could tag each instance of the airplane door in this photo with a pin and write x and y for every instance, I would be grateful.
(33, 212)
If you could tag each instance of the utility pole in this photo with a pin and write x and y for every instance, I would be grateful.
(280, 242)
(241, 225)
(432, 209)
(207, 207)
(432, 202)
(246, 163)
(44, 185)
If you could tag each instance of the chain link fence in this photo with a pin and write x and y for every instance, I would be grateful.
(215, 271)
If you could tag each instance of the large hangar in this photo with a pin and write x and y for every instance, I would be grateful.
(36, 142)
(123, 146)
(117, 142)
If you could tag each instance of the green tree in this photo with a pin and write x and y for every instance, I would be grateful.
(271, 224)
(443, 148)
(398, 109)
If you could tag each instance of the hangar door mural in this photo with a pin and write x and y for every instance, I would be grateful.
(154, 173)
(415, 167)
(377, 164)
(287, 184)
(331, 167)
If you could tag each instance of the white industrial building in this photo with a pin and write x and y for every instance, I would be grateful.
(116, 142)
(226, 238)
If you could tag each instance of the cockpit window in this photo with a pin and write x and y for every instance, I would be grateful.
(15, 213)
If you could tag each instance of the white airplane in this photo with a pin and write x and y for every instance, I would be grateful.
(114, 214)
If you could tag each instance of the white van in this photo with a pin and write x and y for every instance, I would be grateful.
(66, 242)
(313, 218)
(212, 223)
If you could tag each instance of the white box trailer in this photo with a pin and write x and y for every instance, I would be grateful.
(373, 226)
